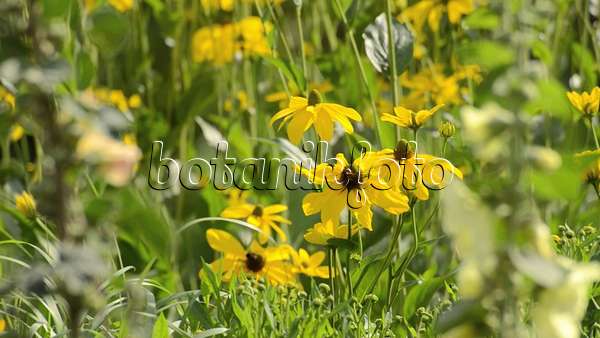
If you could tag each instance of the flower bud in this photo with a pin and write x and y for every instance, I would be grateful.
(447, 129)
(26, 204)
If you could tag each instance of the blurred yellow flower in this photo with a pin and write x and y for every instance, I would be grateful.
(7, 97)
(220, 44)
(264, 217)
(229, 5)
(2, 325)
(586, 103)
(407, 118)
(116, 98)
(349, 186)
(116, 160)
(432, 11)
(592, 173)
(309, 265)
(269, 263)
(432, 83)
(241, 102)
(16, 132)
(25, 204)
(321, 233)
(302, 113)
(121, 5)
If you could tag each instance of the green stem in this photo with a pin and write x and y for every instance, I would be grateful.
(363, 74)
(594, 133)
(398, 221)
(302, 48)
(348, 257)
(392, 57)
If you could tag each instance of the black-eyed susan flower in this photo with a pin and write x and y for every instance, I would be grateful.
(407, 118)
(309, 265)
(432, 11)
(414, 174)
(283, 98)
(266, 218)
(271, 263)
(25, 204)
(322, 232)
(586, 103)
(349, 185)
(592, 173)
(303, 113)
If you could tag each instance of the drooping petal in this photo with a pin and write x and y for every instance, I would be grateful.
(424, 115)
(274, 209)
(299, 123)
(240, 211)
(224, 242)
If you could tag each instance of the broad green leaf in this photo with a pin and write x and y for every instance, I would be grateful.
(161, 328)
(487, 53)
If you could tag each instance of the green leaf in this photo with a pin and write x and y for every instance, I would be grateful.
(211, 332)
(482, 18)
(84, 70)
(563, 183)
(551, 98)
(161, 328)
(583, 59)
(55, 8)
(489, 54)
(420, 295)
(542, 52)
(108, 29)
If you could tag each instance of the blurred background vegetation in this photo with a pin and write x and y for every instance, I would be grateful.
(88, 249)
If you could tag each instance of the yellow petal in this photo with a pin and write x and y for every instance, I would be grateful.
(299, 123)
(224, 242)
(424, 115)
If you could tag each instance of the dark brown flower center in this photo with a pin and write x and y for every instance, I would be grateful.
(350, 178)
(254, 262)
(403, 151)
(258, 211)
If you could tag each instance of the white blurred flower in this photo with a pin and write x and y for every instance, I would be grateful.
(560, 308)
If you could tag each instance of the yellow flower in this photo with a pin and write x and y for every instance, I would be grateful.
(268, 263)
(283, 98)
(447, 129)
(415, 173)
(7, 97)
(592, 173)
(2, 325)
(220, 44)
(586, 103)
(225, 5)
(431, 82)
(135, 101)
(321, 233)
(309, 265)
(25, 203)
(349, 185)
(236, 196)
(407, 118)
(121, 5)
(265, 218)
(241, 101)
(302, 113)
(16, 132)
(129, 139)
(432, 11)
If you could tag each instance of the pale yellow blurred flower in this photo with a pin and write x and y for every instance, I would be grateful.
(116, 160)
(16, 132)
